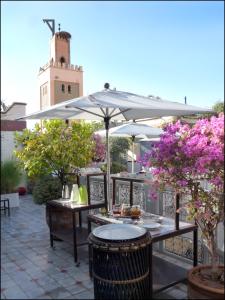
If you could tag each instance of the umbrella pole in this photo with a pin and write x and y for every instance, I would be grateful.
(132, 166)
(106, 120)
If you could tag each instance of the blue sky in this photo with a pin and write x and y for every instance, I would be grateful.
(168, 49)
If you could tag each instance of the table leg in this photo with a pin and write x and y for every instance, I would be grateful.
(50, 225)
(90, 254)
(195, 247)
(74, 237)
(150, 272)
(90, 251)
(80, 219)
(8, 207)
(4, 206)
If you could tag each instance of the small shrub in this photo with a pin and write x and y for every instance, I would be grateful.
(117, 167)
(31, 181)
(47, 188)
(10, 176)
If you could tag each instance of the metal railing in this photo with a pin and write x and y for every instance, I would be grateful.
(179, 247)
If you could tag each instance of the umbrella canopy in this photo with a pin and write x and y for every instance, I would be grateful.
(114, 105)
(133, 130)
(146, 139)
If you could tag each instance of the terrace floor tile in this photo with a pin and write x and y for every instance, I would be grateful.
(31, 269)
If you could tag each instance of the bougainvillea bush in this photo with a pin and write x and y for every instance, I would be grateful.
(100, 148)
(183, 158)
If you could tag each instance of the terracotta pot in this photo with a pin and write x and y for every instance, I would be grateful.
(22, 190)
(199, 288)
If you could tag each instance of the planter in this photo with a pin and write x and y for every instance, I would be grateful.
(22, 190)
(204, 288)
(13, 199)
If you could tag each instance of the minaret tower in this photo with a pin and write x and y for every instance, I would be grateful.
(59, 80)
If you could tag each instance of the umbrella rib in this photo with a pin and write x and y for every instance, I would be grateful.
(121, 112)
(85, 110)
(112, 112)
(103, 111)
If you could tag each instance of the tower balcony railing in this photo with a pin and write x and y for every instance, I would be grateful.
(61, 66)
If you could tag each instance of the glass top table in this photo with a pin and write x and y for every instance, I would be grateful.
(160, 227)
(166, 228)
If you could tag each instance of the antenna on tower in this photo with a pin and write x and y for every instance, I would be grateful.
(51, 26)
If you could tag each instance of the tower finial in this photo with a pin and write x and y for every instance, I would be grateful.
(51, 26)
(59, 26)
(106, 85)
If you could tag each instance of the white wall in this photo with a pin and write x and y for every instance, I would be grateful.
(7, 149)
(7, 145)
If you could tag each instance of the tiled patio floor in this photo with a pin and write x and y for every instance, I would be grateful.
(30, 269)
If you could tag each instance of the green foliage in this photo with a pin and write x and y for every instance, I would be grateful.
(103, 168)
(118, 149)
(98, 126)
(31, 181)
(218, 107)
(55, 148)
(118, 167)
(10, 176)
(47, 188)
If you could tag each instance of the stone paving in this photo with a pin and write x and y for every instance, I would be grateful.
(31, 269)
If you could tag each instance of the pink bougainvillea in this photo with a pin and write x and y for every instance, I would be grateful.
(100, 149)
(185, 157)
(189, 154)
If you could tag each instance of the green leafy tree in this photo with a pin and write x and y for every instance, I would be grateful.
(55, 148)
(118, 150)
(218, 107)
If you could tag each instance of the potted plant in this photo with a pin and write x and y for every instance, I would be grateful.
(10, 178)
(184, 158)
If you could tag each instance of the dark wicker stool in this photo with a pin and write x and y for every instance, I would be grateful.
(120, 258)
(6, 206)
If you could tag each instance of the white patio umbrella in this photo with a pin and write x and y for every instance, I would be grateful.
(146, 139)
(133, 130)
(114, 105)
